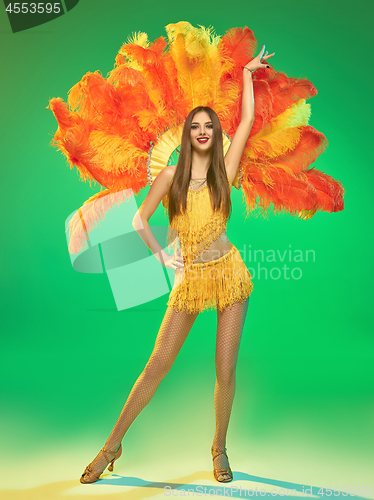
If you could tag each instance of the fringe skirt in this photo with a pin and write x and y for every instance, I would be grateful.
(211, 285)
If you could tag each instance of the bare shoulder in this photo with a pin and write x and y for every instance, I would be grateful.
(161, 185)
(166, 176)
(159, 189)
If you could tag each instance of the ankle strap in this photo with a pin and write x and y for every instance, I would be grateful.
(109, 451)
(219, 452)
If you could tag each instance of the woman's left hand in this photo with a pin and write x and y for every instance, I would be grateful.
(256, 62)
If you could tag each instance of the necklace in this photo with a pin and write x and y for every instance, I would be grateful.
(197, 184)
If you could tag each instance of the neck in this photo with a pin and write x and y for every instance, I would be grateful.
(200, 163)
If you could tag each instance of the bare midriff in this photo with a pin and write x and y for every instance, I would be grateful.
(217, 249)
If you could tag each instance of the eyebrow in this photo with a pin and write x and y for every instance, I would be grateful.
(197, 123)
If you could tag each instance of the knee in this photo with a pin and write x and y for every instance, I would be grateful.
(226, 375)
(157, 369)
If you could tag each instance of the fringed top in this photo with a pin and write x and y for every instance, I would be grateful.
(201, 231)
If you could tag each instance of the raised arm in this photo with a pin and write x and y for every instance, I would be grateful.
(140, 223)
(235, 151)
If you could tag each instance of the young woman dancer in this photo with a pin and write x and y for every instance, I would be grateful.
(209, 271)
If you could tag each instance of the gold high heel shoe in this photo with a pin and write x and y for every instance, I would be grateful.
(91, 476)
(219, 472)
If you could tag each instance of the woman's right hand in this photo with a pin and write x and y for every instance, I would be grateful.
(174, 261)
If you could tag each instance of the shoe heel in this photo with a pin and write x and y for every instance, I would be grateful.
(118, 454)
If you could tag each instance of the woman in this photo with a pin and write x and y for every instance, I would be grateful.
(209, 269)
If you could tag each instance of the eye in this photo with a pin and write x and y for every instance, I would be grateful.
(194, 126)
(210, 125)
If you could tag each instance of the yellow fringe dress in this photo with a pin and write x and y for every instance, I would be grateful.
(214, 274)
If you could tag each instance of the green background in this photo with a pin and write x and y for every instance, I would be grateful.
(303, 410)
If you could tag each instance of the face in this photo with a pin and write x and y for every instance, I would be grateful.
(201, 131)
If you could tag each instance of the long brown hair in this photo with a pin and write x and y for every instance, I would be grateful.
(218, 185)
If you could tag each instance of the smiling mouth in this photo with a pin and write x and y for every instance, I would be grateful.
(203, 140)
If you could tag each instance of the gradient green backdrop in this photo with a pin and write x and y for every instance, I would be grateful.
(303, 411)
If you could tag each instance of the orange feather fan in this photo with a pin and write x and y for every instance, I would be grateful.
(108, 125)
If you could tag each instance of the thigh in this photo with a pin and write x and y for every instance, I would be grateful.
(173, 331)
(230, 323)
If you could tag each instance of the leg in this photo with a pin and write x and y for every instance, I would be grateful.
(173, 332)
(230, 324)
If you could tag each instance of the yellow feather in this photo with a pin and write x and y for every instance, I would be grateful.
(274, 144)
(198, 61)
(139, 39)
(114, 154)
(296, 115)
(282, 133)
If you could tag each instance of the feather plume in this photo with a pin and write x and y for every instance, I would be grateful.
(89, 216)
(238, 44)
(108, 125)
(139, 38)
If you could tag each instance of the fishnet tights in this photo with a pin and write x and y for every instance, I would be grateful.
(173, 332)
(230, 324)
